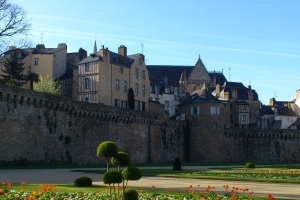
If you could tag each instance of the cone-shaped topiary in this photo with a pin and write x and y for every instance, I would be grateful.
(131, 173)
(121, 159)
(131, 195)
(112, 177)
(83, 182)
(177, 164)
(107, 149)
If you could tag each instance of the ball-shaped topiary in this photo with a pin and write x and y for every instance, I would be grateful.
(112, 177)
(250, 165)
(83, 182)
(131, 173)
(177, 164)
(107, 149)
(131, 195)
(121, 159)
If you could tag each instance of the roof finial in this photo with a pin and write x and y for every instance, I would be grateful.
(142, 48)
(199, 56)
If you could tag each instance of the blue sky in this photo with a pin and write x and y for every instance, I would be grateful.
(258, 42)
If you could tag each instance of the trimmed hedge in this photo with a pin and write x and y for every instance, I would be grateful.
(83, 182)
(250, 165)
(131, 195)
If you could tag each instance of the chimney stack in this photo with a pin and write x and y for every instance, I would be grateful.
(122, 53)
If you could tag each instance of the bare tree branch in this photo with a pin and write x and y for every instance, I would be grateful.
(13, 23)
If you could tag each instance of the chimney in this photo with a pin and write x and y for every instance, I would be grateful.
(143, 57)
(40, 46)
(272, 102)
(218, 90)
(12, 48)
(82, 54)
(122, 53)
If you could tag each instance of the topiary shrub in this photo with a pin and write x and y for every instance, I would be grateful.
(131, 195)
(107, 149)
(83, 182)
(131, 173)
(112, 177)
(177, 164)
(250, 165)
(121, 159)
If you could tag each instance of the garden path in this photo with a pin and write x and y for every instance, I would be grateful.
(65, 176)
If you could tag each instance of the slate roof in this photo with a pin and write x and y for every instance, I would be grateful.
(266, 110)
(297, 124)
(157, 73)
(285, 111)
(91, 58)
(281, 111)
(242, 91)
(200, 96)
(115, 59)
(69, 71)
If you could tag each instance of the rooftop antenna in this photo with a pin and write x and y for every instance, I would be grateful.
(146, 61)
(42, 38)
(275, 95)
(142, 48)
(229, 73)
(249, 82)
(222, 70)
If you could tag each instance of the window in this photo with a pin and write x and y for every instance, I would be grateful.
(143, 91)
(136, 73)
(215, 125)
(117, 103)
(243, 108)
(86, 83)
(125, 86)
(195, 110)
(151, 88)
(123, 104)
(175, 90)
(243, 117)
(86, 99)
(86, 67)
(234, 94)
(140, 61)
(156, 90)
(36, 61)
(121, 70)
(137, 105)
(7, 56)
(214, 110)
(29, 69)
(167, 90)
(143, 74)
(117, 85)
(136, 88)
(67, 88)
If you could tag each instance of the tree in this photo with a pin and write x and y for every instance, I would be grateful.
(32, 77)
(13, 22)
(131, 100)
(13, 71)
(46, 85)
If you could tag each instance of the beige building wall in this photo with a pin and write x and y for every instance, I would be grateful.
(105, 78)
(141, 79)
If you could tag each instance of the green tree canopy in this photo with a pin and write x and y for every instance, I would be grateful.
(32, 77)
(13, 70)
(46, 85)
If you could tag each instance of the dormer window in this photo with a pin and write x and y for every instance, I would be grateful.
(234, 94)
(167, 90)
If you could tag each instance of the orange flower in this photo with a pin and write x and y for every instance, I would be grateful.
(168, 190)
(23, 183)
(34, 192)
(141, 191)
(2, 192)
(153, 186)
(3, 183)
(271, 197)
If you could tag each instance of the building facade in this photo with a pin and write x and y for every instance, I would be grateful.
(105, 78)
